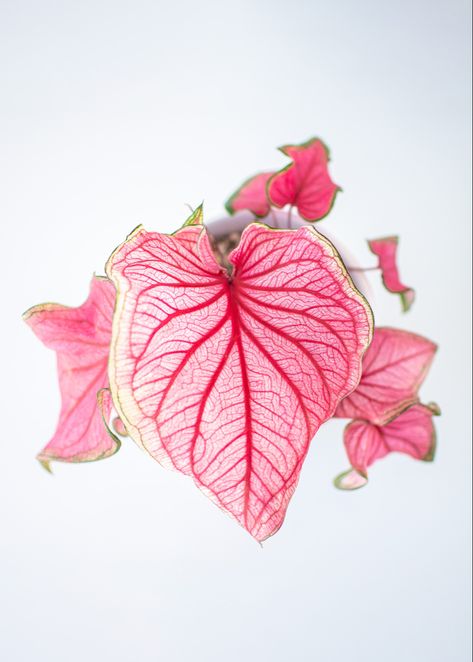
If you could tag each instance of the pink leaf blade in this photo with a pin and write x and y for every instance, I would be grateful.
(224, 389)
(394, 367)
(386, 251)
(364, 443)
(81, 339)
(411, 433)
(251, 196)
(305, 183)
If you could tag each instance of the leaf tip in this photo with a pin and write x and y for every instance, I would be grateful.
(407, 299)
(196, 217)
(350, 480)
(434, 408)
(45, 463)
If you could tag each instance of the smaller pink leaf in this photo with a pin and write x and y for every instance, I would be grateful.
(394, 366)
(305, 183)
(81, 339)
(251, 196)
(385, 249)
(411, 433)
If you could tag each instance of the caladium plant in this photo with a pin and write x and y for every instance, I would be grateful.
(222, 353)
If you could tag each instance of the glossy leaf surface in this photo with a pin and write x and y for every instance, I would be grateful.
(386, 251)
(394, 367)
(81, 339)
(305, 183)
(227, 378)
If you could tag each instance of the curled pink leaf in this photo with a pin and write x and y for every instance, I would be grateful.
(81, 339)
(305, 183)
(394, 367)
(411, 433)
(227, 377)
(350, 480)
(251, 196)
(105, 406)
(386, 249)
(118, 426)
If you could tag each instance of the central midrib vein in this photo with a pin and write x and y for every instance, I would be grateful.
(235, 317)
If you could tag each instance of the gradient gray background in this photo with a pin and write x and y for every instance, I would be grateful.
(114, 113)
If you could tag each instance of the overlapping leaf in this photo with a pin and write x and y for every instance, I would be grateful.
(394, 367)
(386, 251)
(227, 378)
(411, 433)
(81, 339)
(251, 196)
(305, 183)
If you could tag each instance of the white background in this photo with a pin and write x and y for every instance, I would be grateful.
(114, 113)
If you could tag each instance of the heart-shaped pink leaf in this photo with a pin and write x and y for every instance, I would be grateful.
(394, 367)
(411, 433)
(305, 183)
(386, 249)
(251, 196)
(228, 377)
(81, 339)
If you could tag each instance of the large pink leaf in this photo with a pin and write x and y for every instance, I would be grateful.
(227, 378)
(412, 433)
(251, 196)
(394, 367)
(81, 339)
(305, 183)
(385, 249)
